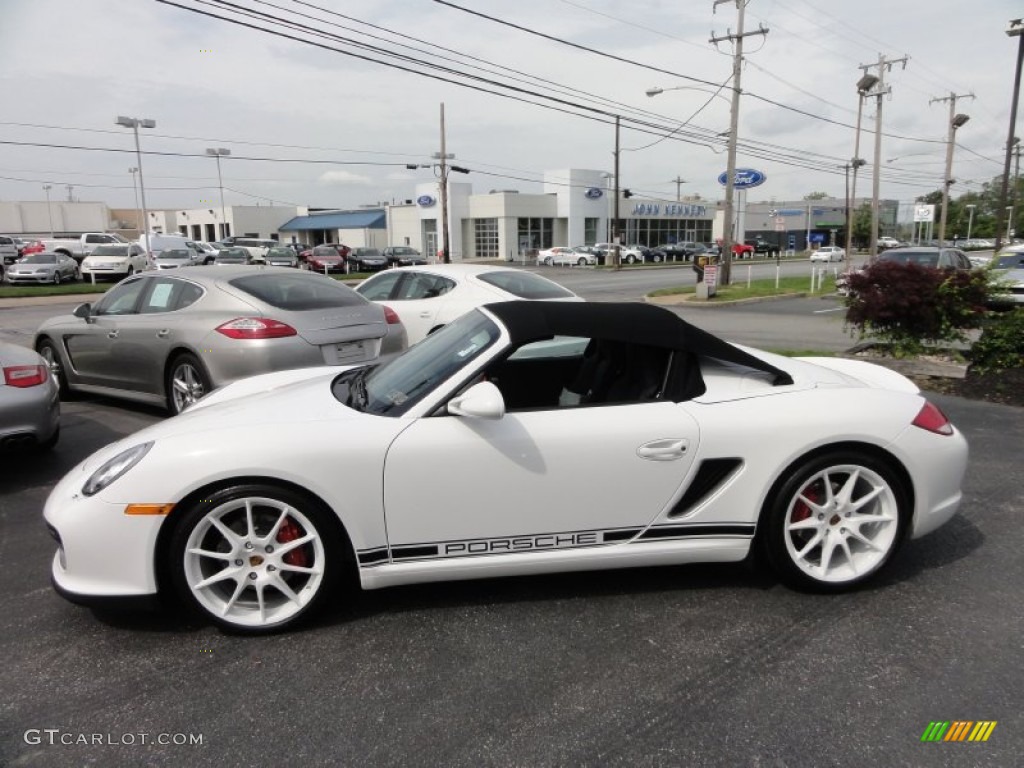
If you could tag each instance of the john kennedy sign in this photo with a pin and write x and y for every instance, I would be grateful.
(745, 178)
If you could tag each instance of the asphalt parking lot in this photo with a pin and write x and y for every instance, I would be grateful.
(696, 665)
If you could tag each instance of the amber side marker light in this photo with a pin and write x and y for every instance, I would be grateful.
(148, 509)
(933, 420)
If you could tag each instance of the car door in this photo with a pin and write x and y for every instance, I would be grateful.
(91, 344)
(420, 299)
(146, 337)
(534, 480)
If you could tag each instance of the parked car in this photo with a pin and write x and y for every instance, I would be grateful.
(429, 297)
(570, 257)
(366, 260)
(256, 246)
(828, 253)
(1007, 269)
(9, 250)
(682, 251)
(43, 267)
(683, 448)
(170, 338)
(762, 246)
(115, 261)
(403, 256)
(155, 243)
(885, 243)
(29, 403)
(325, 258)
(927, 256)
(232, 256)
(174, 258)
(281, 256)
(207, 250)
(80, 247)
(546, 256)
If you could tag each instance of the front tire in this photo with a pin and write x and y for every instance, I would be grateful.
(187, 381)
(581, 262)
(256, 558)
(836, 522)
(56, 278)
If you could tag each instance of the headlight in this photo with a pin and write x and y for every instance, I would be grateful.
(114, 468)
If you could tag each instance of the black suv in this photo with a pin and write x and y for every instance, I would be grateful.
(763, 246)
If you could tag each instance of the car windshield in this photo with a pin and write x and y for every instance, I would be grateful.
(393, 388)
(369, 252)
(298, 292)
(110, 250)
(921, 258)
(40, 258)
(404, 251)
(525, 285)
(329, 252)
(174, 253)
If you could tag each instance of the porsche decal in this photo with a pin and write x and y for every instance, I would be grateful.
(543, 542)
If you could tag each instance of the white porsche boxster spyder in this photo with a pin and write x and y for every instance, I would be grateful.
(522, 438)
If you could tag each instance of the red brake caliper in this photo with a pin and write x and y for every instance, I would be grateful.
(290, 531)
(800, 510)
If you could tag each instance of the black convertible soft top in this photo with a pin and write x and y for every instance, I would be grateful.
(628, 322)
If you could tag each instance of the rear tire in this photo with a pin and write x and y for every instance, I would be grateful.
(835, 522)
(187, 381)
(56, 278)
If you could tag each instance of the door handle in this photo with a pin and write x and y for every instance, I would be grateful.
(163, 333)
(424, 314)
(112, 334)
(664, 450)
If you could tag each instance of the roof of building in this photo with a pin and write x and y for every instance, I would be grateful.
(373, 219)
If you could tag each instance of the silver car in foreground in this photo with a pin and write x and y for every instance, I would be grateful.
(43, 267)
(29, 403)
(171, 337)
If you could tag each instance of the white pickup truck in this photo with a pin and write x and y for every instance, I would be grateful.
(80, 247)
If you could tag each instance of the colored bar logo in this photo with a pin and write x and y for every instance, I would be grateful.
(958, 730)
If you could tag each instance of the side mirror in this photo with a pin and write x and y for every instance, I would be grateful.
(84, 311)
(481, 401)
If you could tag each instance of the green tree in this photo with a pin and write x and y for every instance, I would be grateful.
(862, 225)
(817, 196)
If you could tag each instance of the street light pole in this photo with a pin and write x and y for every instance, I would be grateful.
(135, 193)
(49, 210)
(970, 219)
(955, 121)
(218, 153)
(135, 123)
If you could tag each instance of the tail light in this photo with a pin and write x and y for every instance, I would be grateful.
(933, 420)
(391, 316)
(23, 376)
(255, 328)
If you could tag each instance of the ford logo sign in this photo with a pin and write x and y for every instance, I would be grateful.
(745, 178)
(425, 201)
(593, 193)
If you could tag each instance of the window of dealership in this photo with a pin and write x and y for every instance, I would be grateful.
(653, 232)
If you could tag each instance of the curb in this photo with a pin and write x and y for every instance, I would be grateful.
(690, 300)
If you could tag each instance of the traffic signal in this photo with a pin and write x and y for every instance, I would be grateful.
(626, 193)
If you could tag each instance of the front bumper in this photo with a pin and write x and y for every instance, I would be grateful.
(33, 278)
(102, 553)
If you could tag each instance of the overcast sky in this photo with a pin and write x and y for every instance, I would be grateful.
(69, 67)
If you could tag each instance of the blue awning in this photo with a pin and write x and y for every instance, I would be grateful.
(375, 219)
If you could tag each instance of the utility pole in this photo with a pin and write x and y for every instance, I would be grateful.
(864, 85)
(1016, 29)
(729, 236)
(616, 234)
(71, 189)
(1014, 210)
(444, 157)
(955, 121)
(679, 181)
(884, 65)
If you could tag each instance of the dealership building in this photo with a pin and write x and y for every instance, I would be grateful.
(574, 208)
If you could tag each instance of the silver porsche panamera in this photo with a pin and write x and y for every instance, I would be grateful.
(171, 337)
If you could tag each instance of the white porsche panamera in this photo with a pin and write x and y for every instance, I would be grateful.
(522, 438)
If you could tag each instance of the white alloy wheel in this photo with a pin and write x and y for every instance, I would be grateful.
(836, 522)
(253, 558)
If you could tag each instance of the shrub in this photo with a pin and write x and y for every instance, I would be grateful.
(1001, 345)
(909, 306)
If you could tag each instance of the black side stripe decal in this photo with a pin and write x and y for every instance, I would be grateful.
(681, 531)
(371, 556)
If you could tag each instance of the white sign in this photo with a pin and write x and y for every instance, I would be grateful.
(924, 213)
(780, 224)
(711, 278)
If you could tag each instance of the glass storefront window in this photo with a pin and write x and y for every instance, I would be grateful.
(536, 233)
(485, 237)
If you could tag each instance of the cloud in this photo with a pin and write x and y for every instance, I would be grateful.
(343, 177)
